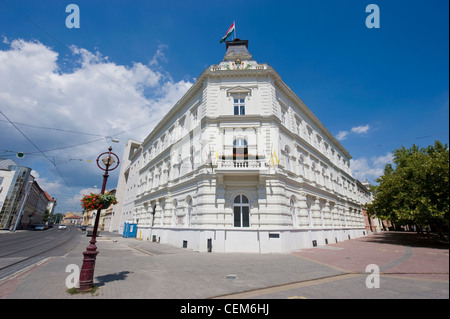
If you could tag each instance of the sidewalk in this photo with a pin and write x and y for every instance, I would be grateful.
(130, 268)
(403, 254)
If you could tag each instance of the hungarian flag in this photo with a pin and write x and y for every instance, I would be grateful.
(229, 32)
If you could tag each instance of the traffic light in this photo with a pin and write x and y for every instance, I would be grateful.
(20, 155)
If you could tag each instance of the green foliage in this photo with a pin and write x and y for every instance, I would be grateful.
(416, 191)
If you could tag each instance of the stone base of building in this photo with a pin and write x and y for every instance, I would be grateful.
(248, 240)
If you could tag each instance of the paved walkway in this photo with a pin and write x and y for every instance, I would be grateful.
(129, 268)
(402, 254)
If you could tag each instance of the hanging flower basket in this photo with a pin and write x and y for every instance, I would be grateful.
(98, 201)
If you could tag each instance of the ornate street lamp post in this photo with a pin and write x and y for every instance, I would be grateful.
(90, 255)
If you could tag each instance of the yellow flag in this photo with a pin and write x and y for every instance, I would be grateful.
(273, 157)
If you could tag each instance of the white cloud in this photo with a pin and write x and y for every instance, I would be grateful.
(342, 135)
(159, 55)
(383, 160)
(362, 129)
(97, 96)
(75, 200)
(370, 169)
(51, 187)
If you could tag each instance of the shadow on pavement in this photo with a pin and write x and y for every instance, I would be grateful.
(411, 239)
(112, 277)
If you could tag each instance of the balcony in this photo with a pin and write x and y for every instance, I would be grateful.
(242, 164)
(250, 168)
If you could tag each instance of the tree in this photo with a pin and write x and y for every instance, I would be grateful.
(415, 191)
(56, 218)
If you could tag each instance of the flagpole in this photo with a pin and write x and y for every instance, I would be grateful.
(235, 36)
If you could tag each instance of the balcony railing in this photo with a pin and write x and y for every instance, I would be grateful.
(242, 164)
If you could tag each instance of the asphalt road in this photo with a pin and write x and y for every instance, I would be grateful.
(22, 249)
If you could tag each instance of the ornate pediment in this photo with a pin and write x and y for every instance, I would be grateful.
(245, 91)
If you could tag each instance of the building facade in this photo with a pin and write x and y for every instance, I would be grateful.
(35, 207)
(51, 205)
(373, 224)
(71, 218)
(13, 191)
(240, 164)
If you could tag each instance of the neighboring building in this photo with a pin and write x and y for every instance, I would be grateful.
(89, 217)
(21, 197)
(365, 196)
(71, 218)
(373, 224)
(106, 215)
(13, 179)
(240, 164)
(126, 187)
(51, 204)
(35, 207)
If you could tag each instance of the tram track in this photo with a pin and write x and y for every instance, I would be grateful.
(9, 239)
(9, 265)
(29, 247)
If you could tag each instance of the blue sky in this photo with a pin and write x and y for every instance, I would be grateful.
(116, 75)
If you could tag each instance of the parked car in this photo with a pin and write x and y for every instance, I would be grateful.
(40, 227)
(62, 227)
(90, 231)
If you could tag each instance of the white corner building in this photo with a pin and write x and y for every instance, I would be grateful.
(239, 164)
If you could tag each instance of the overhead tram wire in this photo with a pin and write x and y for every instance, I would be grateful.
(145, 103)
(402, 141)
(56, 129)
(83, 133)
(89, 142)
(46, 156)
(13, 153)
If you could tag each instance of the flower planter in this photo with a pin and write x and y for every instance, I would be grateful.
(98, 201)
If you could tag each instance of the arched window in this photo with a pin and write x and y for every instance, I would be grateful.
(241, 211)
(163, 211)
(153, 214)
(189, 211)
(302, 165)
(309, 204)
(292, 204)
(191, 157)
(314, 172)
(287, 154)
(168, 167)
(174, 215)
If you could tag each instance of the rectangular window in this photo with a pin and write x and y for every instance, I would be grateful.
(194, 119)
(239, 106)
(299, 126)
